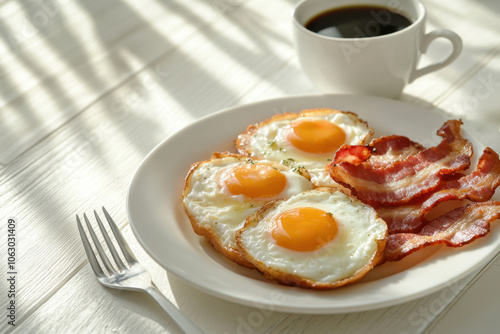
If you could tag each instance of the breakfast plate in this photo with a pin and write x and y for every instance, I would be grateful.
(162, 228)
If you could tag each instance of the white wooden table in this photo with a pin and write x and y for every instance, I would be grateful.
(88, 88)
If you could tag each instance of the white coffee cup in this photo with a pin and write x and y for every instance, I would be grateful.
(381, 65)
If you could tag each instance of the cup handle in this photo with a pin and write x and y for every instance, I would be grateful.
(456, 43)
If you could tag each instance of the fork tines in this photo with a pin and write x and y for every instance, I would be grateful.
(125, 249)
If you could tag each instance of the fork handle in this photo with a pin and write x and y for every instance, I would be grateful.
(179, 318)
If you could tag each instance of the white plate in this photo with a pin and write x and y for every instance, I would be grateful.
(160, 225)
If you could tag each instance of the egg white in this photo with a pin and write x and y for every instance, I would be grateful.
(360, 232)
(269, 141)
(214, 207)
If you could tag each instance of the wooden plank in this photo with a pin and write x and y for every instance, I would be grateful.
(92, 305)
(477, 302)
(476, 102)
(477, 25)
(52, 71)
(100, 148)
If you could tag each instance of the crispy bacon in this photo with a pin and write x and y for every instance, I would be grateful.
(405, 181)
(400, 219)
(389, 149)
(353, 154)
(455, 229)
(478, 186)
(400, 181)
(382, 151)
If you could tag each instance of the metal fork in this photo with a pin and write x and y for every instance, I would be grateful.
(132, 276)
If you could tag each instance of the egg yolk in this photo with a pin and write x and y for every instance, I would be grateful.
(254, 181)
(304, 229)
(316, 136)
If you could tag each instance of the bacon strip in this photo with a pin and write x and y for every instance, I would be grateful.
(382, 151)
(399, 182)
(478, 186)
(455, 229)
(402, 219)
(353, 154)
(389, 149)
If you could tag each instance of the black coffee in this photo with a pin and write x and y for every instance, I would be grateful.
(357, 22)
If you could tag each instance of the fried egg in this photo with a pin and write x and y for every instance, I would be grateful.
(220, 193)
(308, 139)
(318, 239)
